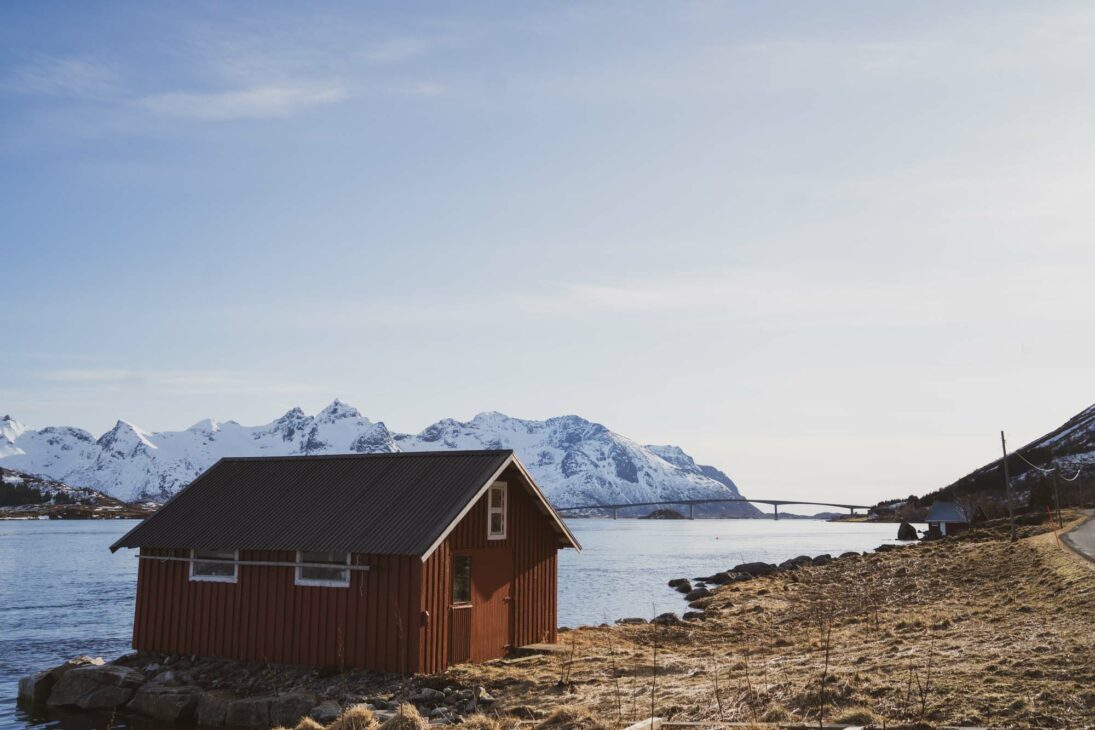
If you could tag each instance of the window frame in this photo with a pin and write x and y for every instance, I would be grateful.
(452, 597)
(503, 510)
(319, 583)
(194, 560)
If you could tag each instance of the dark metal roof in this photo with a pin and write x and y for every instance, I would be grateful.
(946, 512)
(394, 504)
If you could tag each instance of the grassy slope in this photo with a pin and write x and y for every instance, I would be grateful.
(1007, 630)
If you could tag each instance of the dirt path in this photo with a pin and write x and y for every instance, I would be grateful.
(1082, 539)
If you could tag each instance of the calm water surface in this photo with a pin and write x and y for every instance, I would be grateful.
(62, 593)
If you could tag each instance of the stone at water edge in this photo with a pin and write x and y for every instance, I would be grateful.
(35, 688)
(630, 620)
(755, 569)
(823, 559)
(165, 702)
(103, 687)
(694, 615)
(698, 593)
(677, 581)
(684, 587)
(718, 578)
(906, 532)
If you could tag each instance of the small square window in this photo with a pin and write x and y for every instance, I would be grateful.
(323, 569)
(461, 579)
(218, 566)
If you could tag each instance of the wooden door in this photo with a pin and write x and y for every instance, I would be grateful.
(492, 604)
(481, 612)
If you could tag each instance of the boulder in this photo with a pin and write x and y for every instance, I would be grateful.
(849, 555)
(694, 615)
(104, 687)
(631, 620)
(287, 710)
(34, 689)
(701, 603)
(823, 559)
(906, 532)
(483, 697)
(166, 702)
(683, 587)
(248, 712)
(213, 708)
(697, 593)
(325, 712)
(666, 619)
(755, 569)
(788, 565)
(428, 694)
(718, 578)
(738, 577)
(677, 581)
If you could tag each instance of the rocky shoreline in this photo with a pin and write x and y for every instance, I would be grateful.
(223, 693)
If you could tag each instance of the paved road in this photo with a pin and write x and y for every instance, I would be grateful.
(1082, 539)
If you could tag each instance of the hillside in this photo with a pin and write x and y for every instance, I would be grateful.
(24, 495)
(1067, 451)
(575, 461)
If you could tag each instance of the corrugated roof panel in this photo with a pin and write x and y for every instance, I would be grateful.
(396, 504)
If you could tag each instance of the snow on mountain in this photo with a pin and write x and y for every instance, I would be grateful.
(1067, 448)
(10, 429)
(574, 460)
(577, 461)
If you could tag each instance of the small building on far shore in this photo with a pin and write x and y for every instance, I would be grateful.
(946, 518)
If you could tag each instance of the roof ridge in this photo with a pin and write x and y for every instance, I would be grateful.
(381, 455)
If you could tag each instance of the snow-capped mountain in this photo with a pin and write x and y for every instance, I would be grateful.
(574, 460)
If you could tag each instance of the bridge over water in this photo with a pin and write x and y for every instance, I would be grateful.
(693, 502)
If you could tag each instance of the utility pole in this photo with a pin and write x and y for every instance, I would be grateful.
(1057, 497)
(1007, 484)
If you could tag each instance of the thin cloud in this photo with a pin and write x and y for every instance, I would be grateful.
(64, 77)
(254, 103)
(188, 381)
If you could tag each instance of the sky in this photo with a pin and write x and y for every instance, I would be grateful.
(832, 248)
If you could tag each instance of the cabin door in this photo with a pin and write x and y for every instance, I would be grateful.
(481, 617)
(492, 604)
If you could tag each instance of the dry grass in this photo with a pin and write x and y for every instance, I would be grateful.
(573, 717)
(307, 723)
(975, 631)
(358, 717)
(406, 717)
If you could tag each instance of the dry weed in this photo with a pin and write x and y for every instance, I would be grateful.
(406, 717)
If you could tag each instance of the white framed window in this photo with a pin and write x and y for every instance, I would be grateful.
(496, 511)
(217, 566)
(323, 569)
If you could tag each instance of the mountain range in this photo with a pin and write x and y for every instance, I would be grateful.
(575, 461)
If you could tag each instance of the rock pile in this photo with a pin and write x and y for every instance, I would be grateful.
(221, 693)
(698, 596)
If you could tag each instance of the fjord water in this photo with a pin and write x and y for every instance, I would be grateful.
(62, 593)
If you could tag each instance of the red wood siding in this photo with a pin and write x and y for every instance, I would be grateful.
(266, 617)
(531, 541)
(397, 616)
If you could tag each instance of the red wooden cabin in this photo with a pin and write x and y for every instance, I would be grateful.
(393, 562)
